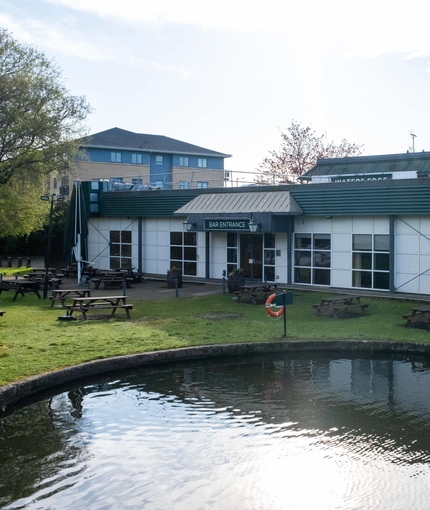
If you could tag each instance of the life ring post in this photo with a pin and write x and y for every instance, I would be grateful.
(280, 300)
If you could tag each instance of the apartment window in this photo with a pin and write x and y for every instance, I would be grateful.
(115, 157)
(158, 160)
(312, 258)
(202, 162)
(183, 161)
(202, 184)
(184, 185)
(370, 261)
(136, 159)
(231, 252)
(183, 252)
(120, 252)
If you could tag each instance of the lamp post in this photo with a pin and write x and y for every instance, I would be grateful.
(47, 198)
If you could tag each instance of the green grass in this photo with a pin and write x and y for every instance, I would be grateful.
(34, 341)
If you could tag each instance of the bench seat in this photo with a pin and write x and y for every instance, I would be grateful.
(85, 309)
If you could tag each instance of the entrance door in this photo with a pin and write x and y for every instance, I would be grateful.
(251, 255)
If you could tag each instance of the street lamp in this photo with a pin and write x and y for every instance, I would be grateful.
(48, 198)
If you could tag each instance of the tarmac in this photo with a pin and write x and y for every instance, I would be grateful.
(153, 289)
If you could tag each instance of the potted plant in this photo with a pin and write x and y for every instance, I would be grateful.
(173, 274)
(235, 280)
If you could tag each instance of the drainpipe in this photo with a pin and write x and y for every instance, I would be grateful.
(207, 252)
(392, 288)
(139, 246)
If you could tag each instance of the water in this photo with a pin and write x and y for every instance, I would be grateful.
(277, 432)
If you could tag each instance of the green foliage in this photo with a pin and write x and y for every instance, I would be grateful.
(40, 123)
(40, 128)
(236, 271)
(300, 149)
(21, 210)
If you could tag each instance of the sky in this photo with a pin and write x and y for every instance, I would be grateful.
(232, 75)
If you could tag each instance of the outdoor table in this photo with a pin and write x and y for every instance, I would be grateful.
(85, 304)
(254, 290)
(63, 294)
(339, 303)
(420, 314)
(19, 286)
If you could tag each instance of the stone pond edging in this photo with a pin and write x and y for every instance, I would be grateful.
(13, 392)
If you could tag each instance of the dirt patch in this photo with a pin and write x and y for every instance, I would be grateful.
(219, 316)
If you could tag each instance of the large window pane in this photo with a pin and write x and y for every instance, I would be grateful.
(302, 258)
(381, 281)
(269, 240)
(382, 243)
(322, 241)
(321, 277)
(176, 238)
(302, 275)
(362, 261)
(362, 242)
(382, 261)
(303, 241)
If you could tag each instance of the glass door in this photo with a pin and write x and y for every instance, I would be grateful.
(251, 255)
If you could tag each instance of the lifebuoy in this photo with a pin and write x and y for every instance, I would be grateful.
(269, 300)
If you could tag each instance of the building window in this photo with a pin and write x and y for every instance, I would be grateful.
(231, 252)
(202, 184)
(137, 181)
(269, 257)
(183, 252)
(184, 185)
(312, 259)
(370, 261)
(115, 157)
(159, 160)
(120, 253)
(136, 159)
(202, 162)
(183, 161)
(54, 183)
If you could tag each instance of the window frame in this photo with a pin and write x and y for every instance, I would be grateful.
(371, 274)
(316, 266)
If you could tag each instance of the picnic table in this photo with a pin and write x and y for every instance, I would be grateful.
(2, 312)
(113, 279)
(340, 303)
(85, 304)
(252, 291)
(63, 294)
(54, 281)
(19, 286)
(419, 314)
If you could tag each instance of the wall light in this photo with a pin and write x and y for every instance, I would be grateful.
(253, 226)
(188, 226)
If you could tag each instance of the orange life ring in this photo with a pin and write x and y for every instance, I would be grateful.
(269, 309)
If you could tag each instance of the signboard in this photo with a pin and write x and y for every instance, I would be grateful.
(359, 178)
(218, 224)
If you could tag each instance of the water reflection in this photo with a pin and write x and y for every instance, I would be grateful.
(286, 431)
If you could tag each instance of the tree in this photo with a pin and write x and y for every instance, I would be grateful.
(40, 125)
(300, 149)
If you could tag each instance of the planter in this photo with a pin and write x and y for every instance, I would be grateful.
(234, 282)
(171, 277)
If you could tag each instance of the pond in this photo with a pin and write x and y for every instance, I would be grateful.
(286, 431)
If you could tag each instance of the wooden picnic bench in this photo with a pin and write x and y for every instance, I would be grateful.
(19, 286)
(340, 303)
(253, 291)
(2, 312)
(419, 314)
(113, 280)
(86, 304)
(63, 294)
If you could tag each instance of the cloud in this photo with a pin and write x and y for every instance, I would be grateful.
(66, 38)
(368, 28)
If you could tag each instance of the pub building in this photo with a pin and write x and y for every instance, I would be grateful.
(353, 223)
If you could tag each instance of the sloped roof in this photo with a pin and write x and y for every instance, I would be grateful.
(227, 203)
(117, 138)
(409, 162)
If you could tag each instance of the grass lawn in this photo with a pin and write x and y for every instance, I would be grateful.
(34, 341)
